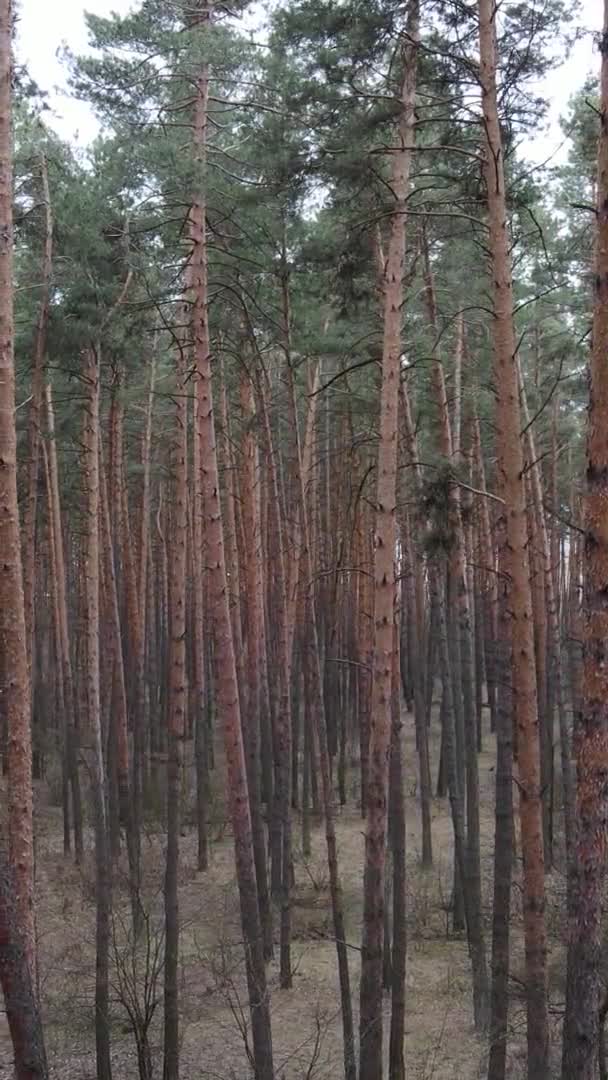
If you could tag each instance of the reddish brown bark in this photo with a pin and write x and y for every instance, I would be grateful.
(513, 555)
(226, 684)
(15, 687)
(176, 718)
(34, 417)
(370, 1023)
(92, 743)
(584, 982)
(22, 1012)
(198, 607)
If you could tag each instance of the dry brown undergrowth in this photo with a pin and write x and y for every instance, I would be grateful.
(440, 1042)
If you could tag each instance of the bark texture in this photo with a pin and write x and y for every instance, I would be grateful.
(16, 688)
(514, 558)
(370, 1021)
(581, 1025)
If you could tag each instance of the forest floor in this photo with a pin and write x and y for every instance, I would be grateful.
(440, 1041)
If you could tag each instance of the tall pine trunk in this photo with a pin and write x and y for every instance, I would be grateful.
(92, 743)
(59, 571)
(513, 558)
(176, 717)
(584, 983)
(370, 1020)
(17, 930)
(34, 417)
(226, 684)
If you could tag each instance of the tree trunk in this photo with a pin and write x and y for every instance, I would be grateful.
(503, 845)
(227, 690)
(370, 1022)
(581, 1024)
(459, 620)
(20, 999)
(65, 656)
(33, 427)
(252, 577)
(118, 734)
(199, 688)
(514, 561)
(176, 717)
(18, 968)
(396, 1059)
(93, 746)
(414, 587)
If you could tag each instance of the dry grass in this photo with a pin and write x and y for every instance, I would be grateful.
(440, 1041)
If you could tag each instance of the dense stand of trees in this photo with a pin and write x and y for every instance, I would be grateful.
(294, 460)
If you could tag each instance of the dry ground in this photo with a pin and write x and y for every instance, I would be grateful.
(440, 1041)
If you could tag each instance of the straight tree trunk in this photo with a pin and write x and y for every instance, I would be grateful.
(17, 926)
(59, 571)
(226, 684)
(118, 733)
(514, 564)
(581, 1023)
(200, 709)
(119, 510)
(59, 674)
(176, 718)
(93, 745)
(503, 846)
(555, 676)
(312, 662)
(34, 417)
(370, 1019)
(414, 585)
(396, 1058)
(514, 561)
(20, 999)
(459, 613)
(254, 594)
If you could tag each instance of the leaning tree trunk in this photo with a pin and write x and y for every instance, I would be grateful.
(119, 733)
(370, 1021)
(17, 952)
(514, 560)
(59, 571)
(581, 1024)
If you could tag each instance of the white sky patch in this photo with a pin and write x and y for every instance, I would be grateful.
(45, 27)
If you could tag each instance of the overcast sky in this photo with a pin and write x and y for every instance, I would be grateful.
(44, 27)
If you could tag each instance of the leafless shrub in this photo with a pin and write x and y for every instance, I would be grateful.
(138, 965)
